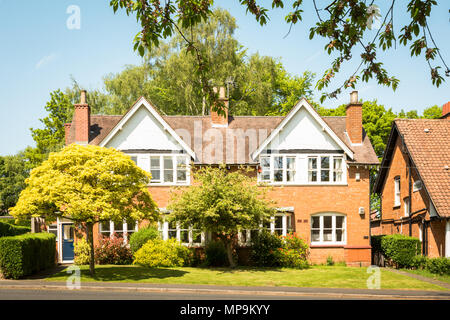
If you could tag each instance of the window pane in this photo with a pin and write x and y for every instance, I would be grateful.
(265, 162)
(105, 226)
(278, 175)
(196, 236)
(339, 222)
(118, 226)
(312, 176)
(312, 163)
(290, 163)
(316, 222)
(290, 176)
(278, 162)
(181, 169)
(168, 163)
(278, 222)
(168, 175)
(184, 236)
(324, 175)
(131, 225)
(315, 235)
(154, 162)
(265, 175)
(327, 221)
(155, 168)
(339, 235)
(327, 235)
(337, 176)
(325, 162)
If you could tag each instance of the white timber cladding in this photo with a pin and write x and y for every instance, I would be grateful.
(303, 132)
(302, 129)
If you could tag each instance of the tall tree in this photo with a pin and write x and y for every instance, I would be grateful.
(343, 24)
(13, 172)
(87, 184)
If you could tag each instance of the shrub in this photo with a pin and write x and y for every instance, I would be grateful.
(112, 251)
(216, 254)
(419, 262)
(266, 249)
(139, 238)
(330, 261)
(294, 253)
(9, 230)
(162, 253)
(438, 265)
(400, 249)
(82, 252)
(27, 254)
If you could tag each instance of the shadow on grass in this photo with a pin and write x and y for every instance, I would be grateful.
(126, 273)
(241, 269)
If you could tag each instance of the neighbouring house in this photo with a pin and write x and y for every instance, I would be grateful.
(414, 182)
(318, 167)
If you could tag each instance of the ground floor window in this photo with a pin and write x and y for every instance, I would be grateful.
(119, 229)
(183, 233)
(280, 224)
(328, 228)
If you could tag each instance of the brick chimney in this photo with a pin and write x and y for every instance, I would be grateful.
(67, 132)
(82, 120)
(216, 119)
(354, 119)
(446, 111)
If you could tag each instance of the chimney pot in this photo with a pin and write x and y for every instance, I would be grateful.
(83, 97)
(354, 97)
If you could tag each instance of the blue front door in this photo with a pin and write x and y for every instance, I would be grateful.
(67, 238)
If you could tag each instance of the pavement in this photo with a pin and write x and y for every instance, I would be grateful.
(157, 291)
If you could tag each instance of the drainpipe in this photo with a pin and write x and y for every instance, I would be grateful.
(410, 197)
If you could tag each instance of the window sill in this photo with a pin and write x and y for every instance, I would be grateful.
(323, 245)
(396, 206)
(318, 184)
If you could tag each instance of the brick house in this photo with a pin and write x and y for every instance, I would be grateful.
(414, 182)
(318, 167)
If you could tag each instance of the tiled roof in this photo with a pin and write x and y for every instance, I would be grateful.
(428, 143)
(101, 125)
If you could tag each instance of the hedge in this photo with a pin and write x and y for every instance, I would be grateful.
(400, 249)
(7, 229)
(27, 254)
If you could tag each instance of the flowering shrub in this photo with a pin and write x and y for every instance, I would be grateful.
(163, 253)
(82, 252)
(112, 251)
(294, 253)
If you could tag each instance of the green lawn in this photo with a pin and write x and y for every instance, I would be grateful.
(316, 276)
(424, 273)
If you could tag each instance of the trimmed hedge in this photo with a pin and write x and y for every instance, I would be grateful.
(400, 249)
(434, 265)
(9, 230)
(27, 254)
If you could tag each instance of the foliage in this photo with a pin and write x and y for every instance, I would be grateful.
(7, 229)
(26, 254)
(330, 261)
(13, 172)
(82, 252)
(419, 262)
(438, 265)
(221, 202)
(266, 249)
(162, 253)
(87, 184)
(400, 249)
(113, 251)
(295, 252)
(139, 238)
(344, 25)
(216, 254)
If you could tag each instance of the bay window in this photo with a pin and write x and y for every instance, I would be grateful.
(328, 228)
(280, 224)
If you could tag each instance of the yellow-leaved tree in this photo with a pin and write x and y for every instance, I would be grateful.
(87, 184)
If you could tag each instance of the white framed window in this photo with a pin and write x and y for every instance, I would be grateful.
(396, 191)
(302, 169)
(406, 205)
(119, 229)
(328, 228)
(281, 224)
(186, 235)
(166, 169)
(53, 228)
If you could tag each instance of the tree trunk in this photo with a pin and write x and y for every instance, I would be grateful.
(90, 238)
(229, 247)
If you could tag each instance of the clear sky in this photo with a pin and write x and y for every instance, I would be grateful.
(39, 54)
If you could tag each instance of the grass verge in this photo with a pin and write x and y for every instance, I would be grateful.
(315, 277)
(428, 274)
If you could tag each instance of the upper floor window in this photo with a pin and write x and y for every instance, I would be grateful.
(417, 185)
(296, 169)
(164, 168)
(396, 191)
(328, 228)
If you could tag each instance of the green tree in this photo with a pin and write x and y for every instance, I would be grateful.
(433, 112)
(13, 172)
(345, 26)
(88, 185)
(223, 203)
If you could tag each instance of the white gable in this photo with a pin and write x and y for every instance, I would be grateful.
(143, 128)
(143, 131)
(303, 128)
(303, 132)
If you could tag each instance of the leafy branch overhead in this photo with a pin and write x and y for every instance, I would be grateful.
(344, 24)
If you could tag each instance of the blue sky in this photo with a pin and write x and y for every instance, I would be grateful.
(40, 53)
